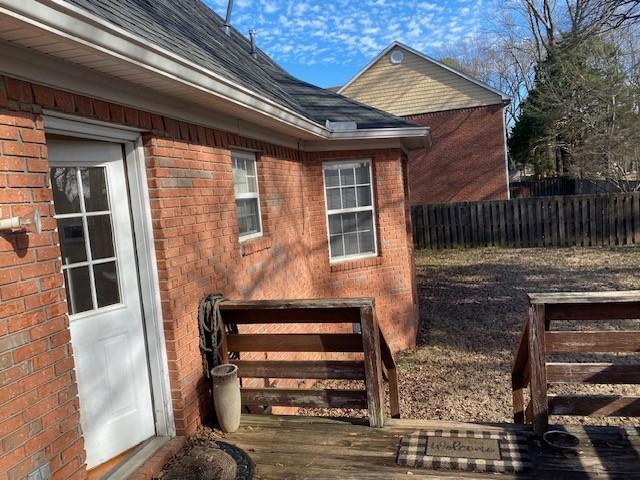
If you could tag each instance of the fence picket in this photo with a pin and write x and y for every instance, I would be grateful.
(612, 220)
(636, 219)
(539, 222)
(581, 220)
(515, 208)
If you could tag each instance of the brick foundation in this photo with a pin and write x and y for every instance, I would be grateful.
(466, 161)
(198, 252)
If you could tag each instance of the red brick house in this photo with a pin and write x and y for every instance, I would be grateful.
(467, 159)
(168, 161)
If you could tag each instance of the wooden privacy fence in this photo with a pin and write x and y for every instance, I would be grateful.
(375, 364)
(531, 368)
(579, 220)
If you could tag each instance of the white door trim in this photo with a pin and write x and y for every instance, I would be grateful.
(65, 124)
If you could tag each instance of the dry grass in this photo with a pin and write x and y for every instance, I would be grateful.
(473, 305)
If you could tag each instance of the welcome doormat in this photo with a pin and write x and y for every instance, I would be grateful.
(472, 451)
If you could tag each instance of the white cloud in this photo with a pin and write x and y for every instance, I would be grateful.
(351, 32)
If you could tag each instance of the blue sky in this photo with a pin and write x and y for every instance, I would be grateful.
(326, 42)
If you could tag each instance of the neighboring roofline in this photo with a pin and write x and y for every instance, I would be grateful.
(71, 22)
(397, 44)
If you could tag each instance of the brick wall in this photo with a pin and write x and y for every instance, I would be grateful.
(466, 161)
(198, 252)
(39, 417)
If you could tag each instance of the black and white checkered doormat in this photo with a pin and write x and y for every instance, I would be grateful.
(510, 454)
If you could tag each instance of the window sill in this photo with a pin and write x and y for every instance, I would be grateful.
(354, 264)
(254, 245)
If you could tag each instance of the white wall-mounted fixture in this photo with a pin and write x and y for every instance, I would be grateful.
(30, 223)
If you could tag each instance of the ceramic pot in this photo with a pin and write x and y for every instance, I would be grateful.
(226, 397)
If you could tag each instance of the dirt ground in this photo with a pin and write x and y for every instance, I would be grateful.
(473, 306)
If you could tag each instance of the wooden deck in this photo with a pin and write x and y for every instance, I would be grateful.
(292, 447)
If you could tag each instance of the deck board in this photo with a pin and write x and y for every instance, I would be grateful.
(293, 447)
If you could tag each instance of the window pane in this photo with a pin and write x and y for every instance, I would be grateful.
(64, 183)
(252, 185)
(349, 197)
(248, 218)
(364, 196)
(335, 242)
(94, 187)
(349, 222)
(365, 221)
(107, 290)
(239, 176)
(78, 288)
(251, 167)
(366, 241)
(244, 176)
(351, 244)
(333, 198)
(335, 224)
(347, 176)
(331, 178)
(100, 236)
(362, 174)
(72, 246)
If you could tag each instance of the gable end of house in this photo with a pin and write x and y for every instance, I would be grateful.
(417, 84)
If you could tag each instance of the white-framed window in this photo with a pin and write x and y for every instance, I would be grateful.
(245, 183)
(351, 216)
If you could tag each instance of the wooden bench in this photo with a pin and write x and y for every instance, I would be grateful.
(531, 369)
(377, 361)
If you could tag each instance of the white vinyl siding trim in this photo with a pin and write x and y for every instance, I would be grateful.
(245, 184)
(362, 205)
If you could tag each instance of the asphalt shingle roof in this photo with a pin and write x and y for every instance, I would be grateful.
(193, 31)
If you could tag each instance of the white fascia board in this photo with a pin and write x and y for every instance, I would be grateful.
(29, 65)
(380, 133)
(401, 45)
(71, 22)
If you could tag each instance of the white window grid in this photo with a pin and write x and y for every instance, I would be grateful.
(90, 262)
(245, 157)
(336, 165)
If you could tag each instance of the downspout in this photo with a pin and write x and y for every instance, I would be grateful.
(506, 152)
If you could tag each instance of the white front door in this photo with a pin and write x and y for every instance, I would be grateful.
(99, 265)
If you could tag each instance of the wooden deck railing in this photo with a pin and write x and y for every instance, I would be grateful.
(538, 340)
(377, 361)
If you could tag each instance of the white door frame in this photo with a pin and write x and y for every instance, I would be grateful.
(131, 138)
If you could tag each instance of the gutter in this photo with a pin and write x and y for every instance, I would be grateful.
(73, 23)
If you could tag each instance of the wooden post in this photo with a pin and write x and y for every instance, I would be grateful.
(394, 399)
(518, 398)
(539, 408)
(372, 366)
(518, 372)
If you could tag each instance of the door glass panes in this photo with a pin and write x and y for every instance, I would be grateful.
(106, 278)
(85, 229)
(94, 189)
(100, 236)
(78, 287)
(72, 246)
(66, 195)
